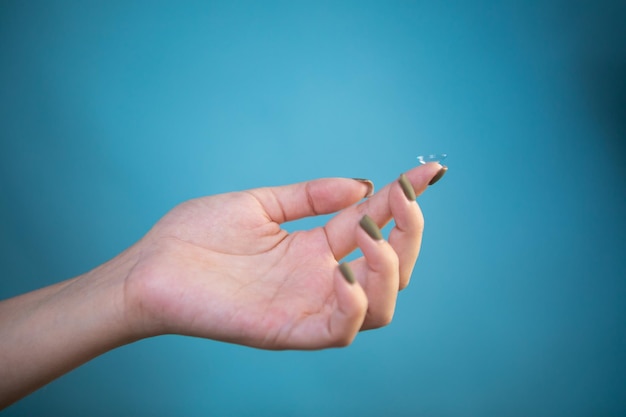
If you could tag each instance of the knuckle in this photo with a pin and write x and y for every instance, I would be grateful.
(386, 319)
(344, 340)
(419, 221)
(379, 320)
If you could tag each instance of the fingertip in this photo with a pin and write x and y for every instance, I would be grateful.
(424, 175)
(442, 171)
(329, 195)
(348, 317)
(349, 291)
(378, 253)
(407, 187)
(347, 273)
(369, 186)
(371, 228)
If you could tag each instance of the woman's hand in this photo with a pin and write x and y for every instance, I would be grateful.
(221, 267)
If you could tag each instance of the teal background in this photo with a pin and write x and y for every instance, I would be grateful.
(113, 112)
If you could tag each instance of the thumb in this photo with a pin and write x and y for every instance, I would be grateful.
(310, 198)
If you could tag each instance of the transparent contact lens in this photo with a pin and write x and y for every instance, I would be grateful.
(435, 157)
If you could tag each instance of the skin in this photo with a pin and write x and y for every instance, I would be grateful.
(222, 268)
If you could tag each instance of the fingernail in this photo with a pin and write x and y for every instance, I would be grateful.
(347, 273)
(409, 192)
(439, 175)
(371, 228)
(370, 186)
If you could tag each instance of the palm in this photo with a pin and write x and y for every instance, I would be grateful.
(243, 268)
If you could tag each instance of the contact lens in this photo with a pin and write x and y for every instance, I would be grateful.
(435, 157)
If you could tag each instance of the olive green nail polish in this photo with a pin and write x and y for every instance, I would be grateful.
(347, 273)
(439, 175)
(370, 186)
(370, 227)
(409, 192)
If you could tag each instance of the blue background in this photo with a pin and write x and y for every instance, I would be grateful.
(112, 112)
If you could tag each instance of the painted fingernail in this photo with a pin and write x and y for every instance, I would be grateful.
(409, 192)
(439, 175)
(347, 273)
(369, 184)
(371, 228)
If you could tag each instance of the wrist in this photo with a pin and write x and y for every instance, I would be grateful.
(108, 285)
(48, 332)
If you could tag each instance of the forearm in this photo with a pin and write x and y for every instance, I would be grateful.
(48, 332)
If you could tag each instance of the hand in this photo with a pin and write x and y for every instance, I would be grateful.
(221, 267)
